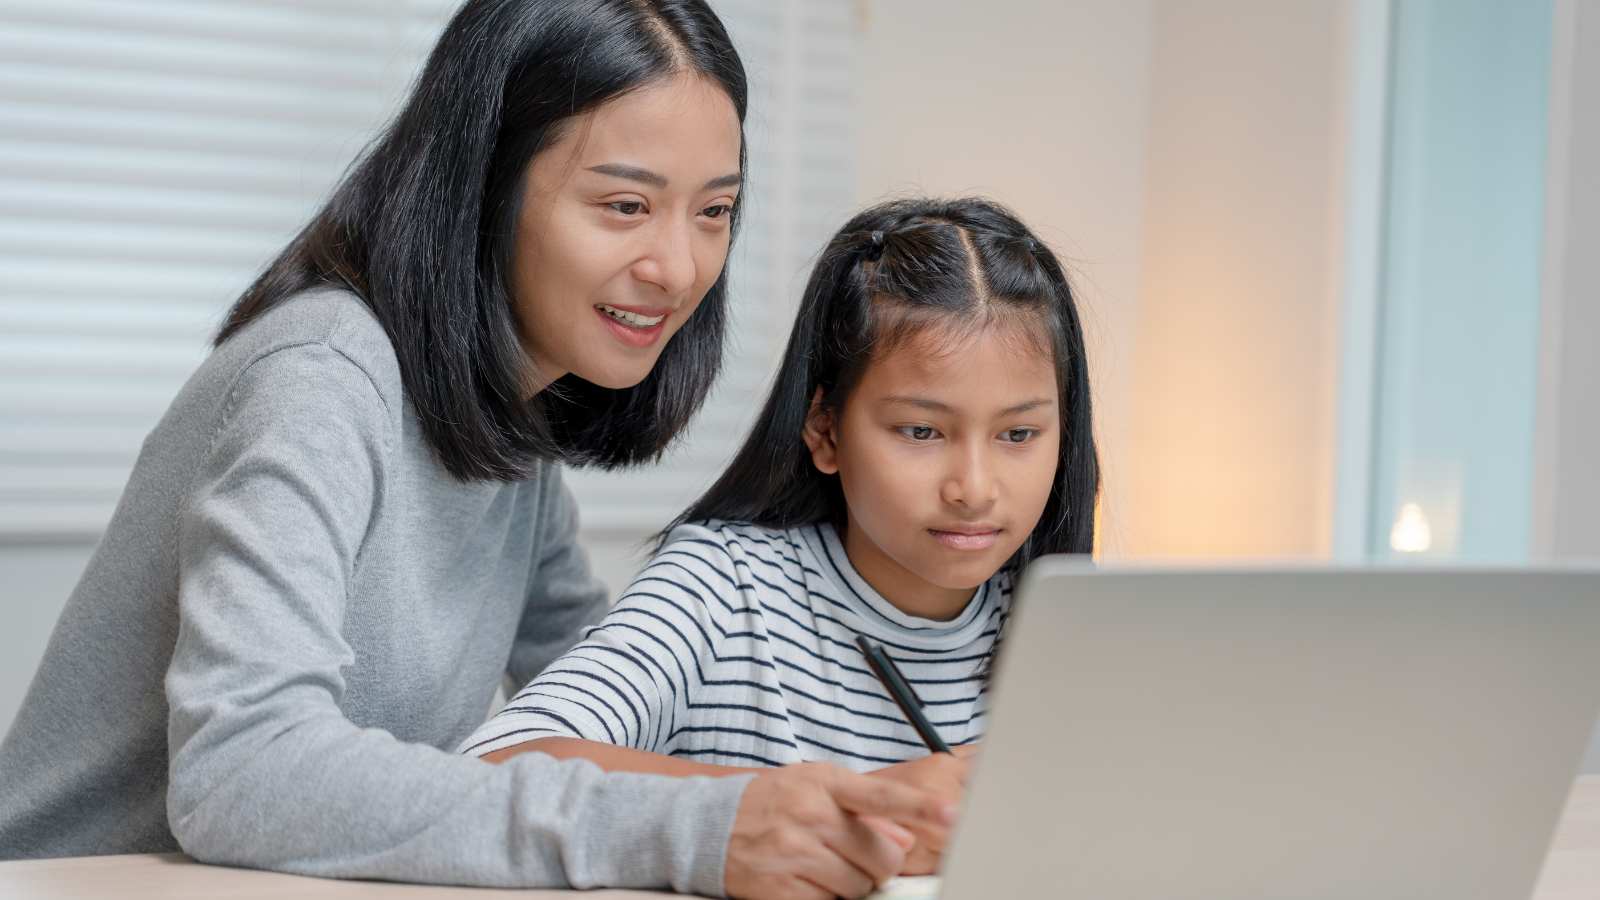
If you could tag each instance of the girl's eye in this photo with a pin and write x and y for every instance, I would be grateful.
(918, 432)
(1018, 435)
(627, 207)
(718, 211)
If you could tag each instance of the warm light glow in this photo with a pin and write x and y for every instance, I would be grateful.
(1410, 533)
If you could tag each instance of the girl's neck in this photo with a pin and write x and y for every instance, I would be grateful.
(902, 588)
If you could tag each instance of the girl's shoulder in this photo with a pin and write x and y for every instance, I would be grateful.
(733, 535)
(741, 555)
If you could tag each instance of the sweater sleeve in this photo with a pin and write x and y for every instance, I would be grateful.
(564, 595)
(265, 771)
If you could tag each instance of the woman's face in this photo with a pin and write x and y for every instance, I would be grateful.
(624, 227)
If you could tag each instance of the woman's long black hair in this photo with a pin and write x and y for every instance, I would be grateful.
(422, 229)
(891, 272)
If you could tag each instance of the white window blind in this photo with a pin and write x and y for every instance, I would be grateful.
(155, 154)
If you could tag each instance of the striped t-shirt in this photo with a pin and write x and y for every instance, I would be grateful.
(736, 646)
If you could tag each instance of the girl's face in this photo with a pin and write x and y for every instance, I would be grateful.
(946, 455)
(624, 227)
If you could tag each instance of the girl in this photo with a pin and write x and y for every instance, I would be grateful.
(350, 524)
(929, 434)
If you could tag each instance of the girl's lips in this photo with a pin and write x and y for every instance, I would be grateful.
(966, 540)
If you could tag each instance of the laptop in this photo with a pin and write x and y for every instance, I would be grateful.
(1381, 734)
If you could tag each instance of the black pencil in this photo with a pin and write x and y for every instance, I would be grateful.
(900, 690)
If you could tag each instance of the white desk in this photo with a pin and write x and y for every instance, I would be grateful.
(1571, 872)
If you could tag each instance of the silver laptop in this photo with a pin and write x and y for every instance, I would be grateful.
(1388, 734)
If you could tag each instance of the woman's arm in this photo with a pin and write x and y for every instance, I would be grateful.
(266, 771)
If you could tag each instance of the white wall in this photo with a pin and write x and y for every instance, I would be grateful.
(1044, 107)
(1234, 375)
(1185, 160)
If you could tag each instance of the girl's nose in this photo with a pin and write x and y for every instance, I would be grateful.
(972, 485)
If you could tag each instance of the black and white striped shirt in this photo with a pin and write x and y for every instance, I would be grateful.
(736, 646)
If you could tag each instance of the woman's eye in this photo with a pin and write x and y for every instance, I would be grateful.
(718, 211)
(627, 207)
(918, 432)
(1018, 435)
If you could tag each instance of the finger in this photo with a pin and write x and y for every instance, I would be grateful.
(799, 888)
(839, 878)
(876, 855)
(866, 796)
(891, 830)
(924, 838)
(927, 840)
(922, 861)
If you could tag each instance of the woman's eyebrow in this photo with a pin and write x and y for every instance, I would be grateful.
(645, 176)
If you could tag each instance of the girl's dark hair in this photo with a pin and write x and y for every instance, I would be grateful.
(890, 273)
(422, 228)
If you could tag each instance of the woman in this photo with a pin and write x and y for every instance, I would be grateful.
(350, 524)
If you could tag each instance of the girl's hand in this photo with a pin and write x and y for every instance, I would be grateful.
(945, 776)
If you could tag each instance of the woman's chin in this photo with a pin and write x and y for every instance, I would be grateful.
(618, 376)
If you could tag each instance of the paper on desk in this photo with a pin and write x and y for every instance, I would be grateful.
(914, 887)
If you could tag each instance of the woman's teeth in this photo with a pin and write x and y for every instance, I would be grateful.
(628, 318)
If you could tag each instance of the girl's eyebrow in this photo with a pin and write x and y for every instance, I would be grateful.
(936, 406)
(1026, 406)
(645, 176)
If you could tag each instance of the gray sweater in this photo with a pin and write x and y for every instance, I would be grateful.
(293, 617)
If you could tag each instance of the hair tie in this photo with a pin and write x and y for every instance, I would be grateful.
(1033, 245)
(874, 250)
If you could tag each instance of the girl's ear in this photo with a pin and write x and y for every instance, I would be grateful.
(819, 435)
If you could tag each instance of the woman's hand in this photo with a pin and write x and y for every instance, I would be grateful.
(815, 831)
(945, 776)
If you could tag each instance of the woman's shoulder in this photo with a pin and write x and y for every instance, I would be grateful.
(317, 356)
(332, 320)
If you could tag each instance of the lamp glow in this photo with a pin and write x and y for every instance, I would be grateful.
(1410, 533)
